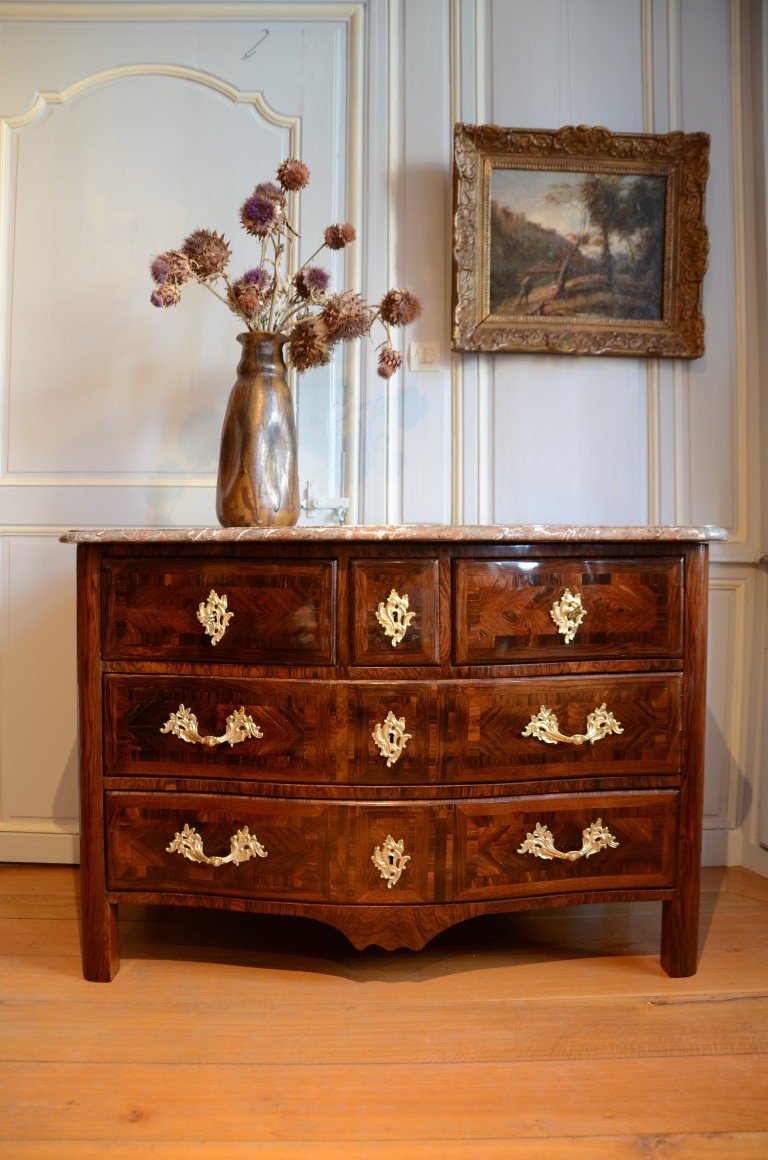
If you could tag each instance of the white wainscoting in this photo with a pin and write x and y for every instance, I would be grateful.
(124, 127)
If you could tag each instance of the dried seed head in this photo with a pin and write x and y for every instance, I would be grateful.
(168, 294)
(293, 174)
(208, 253)
(390, 362)
(261, 215)
(312, 282)
(347, 316)
(308, 344)
(399, 307)
(339, 235)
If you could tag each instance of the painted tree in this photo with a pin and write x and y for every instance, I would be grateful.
(602, 196)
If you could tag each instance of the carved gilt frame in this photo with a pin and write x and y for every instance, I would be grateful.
(680, 159)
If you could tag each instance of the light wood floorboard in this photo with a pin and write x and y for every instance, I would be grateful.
(550, 1034)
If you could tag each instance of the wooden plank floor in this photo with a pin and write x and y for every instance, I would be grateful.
(552, 1034)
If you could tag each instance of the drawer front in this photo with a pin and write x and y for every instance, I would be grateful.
(285, 853)
(401, 844)
(613, 840)
(404, 718)
(148, 728)
(516, 610)
(310, 851)
(394, 612)
(276, 612)
(496, 729)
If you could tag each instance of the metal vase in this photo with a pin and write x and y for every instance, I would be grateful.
(258, 482)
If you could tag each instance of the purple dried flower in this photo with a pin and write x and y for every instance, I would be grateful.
(293, 174)
(246, 295)
(258, 277)
(260, 215)
(168, 294)
(312, 281)
(172, 266)
(160, 271)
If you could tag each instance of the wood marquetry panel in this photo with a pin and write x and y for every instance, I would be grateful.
(296, 836)
(423, 831)
(297, 719)
(502, 609)
(372, 583)
(487, 863)
(484, 724)
(368, 705)
(283, 611)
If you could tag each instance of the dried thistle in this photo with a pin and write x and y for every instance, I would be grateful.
(347, 316)
(339, 235)
(168, 294)
(293, 174)
(245, 298)
(311, 282)
(399, 307)
(172, 266)
(309, 344)
(268, 189)
(265, 298)
(390, 362)
(208, 253)
(261, 215)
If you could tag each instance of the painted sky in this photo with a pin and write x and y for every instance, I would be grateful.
(524, 190)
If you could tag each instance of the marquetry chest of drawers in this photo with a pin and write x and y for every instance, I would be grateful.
(391, 729)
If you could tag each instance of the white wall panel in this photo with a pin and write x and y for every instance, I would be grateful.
(567, 436)
(724, 759)
(427, 156)
(38, 735)
(710, 451)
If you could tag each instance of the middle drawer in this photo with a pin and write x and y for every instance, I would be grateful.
(391, 733)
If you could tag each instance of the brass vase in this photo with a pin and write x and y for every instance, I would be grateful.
(258, 482)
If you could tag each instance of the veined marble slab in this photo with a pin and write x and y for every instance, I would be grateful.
(490, 533)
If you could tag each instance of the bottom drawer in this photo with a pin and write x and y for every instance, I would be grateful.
(258, 848)
(387, 852)
(553, 844)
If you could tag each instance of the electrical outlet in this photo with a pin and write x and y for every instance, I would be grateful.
(424, 356)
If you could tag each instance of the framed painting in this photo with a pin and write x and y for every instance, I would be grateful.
(579, 241)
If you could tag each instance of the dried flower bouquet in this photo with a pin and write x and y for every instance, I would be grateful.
(301, 308)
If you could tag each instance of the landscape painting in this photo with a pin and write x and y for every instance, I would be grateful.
(578, 241)
(565, 243)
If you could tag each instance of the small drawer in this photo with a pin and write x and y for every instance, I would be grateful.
(561, 727)
(284, 854)
(251, 611)
(504, 849)
(395, 612)
(509, 611)
(391, 733)
(197, 727)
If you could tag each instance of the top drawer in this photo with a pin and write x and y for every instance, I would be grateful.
(526, 610)
(276, 611)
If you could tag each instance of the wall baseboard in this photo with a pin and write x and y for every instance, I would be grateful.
(21, 846)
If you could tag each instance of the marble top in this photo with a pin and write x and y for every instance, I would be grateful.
(495, 533)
